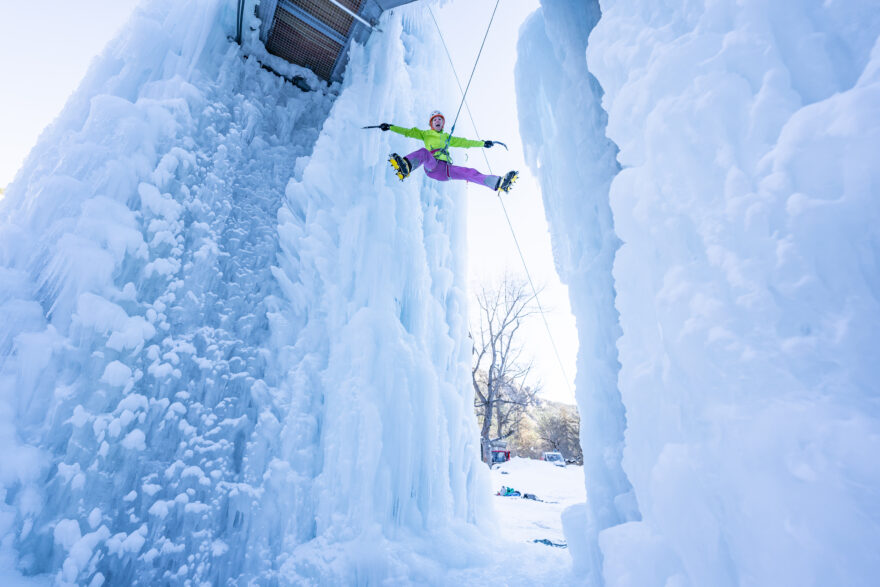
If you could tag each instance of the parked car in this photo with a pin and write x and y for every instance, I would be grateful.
(553, 457)
(499, 455)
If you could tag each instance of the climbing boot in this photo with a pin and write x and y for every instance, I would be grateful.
(401, 166)
(506, 182)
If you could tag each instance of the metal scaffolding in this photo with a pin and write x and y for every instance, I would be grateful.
(317, 33)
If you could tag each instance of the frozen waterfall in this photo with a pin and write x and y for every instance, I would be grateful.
(746, 281)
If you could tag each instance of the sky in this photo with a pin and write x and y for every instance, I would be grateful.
(47, 68)
(492, 250)
(42, 65)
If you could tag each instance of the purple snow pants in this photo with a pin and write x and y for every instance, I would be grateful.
(443, 171)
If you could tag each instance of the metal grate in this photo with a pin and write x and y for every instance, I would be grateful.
(311, 33)
(329, 13)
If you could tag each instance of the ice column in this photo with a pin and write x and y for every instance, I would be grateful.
(563, 129)
(747, 288)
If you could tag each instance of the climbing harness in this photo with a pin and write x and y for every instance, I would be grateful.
(489, 165)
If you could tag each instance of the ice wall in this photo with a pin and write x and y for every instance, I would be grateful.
(374, 271)
(747, 286)
(562, 125)
(232, 346)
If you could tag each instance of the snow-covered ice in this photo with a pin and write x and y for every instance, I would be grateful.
(575, 169)
(233, 346)
(745, 281)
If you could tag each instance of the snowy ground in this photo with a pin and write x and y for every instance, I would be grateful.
(517, 559)
(526, 520)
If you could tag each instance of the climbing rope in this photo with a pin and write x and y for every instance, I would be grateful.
(473, 70)
(500, 199)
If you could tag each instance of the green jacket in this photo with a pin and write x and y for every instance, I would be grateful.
(435, 140)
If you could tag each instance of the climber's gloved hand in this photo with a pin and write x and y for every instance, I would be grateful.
(385, 126)
(488, 144)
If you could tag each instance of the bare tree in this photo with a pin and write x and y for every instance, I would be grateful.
(510, 407)
(498, 371)
(559, 429)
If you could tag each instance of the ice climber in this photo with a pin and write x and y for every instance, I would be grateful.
(435, 156)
